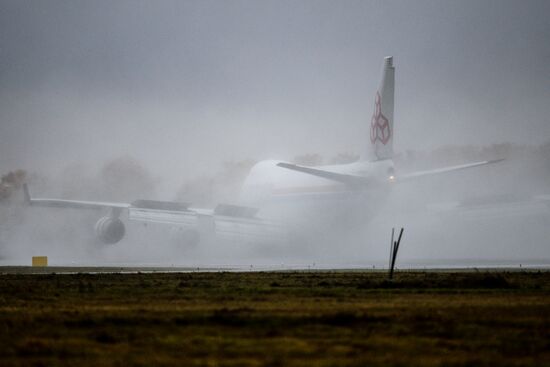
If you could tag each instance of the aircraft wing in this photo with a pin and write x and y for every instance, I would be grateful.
(145, 206)
(355, 180)
(437, 171)
(329, 175)
(76, 204)
(225, 221)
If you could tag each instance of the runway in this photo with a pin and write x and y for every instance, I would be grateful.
(101, 269)
(433, 266)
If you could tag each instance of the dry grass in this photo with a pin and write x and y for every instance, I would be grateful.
(276, 319)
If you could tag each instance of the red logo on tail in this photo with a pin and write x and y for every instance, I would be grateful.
(379, 124)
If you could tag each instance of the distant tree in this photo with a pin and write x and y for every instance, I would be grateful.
(343, 158)
(126, 179)
(14, 178)
(223, 186)
(236, 171)
(229, 182)
(313, 159)
(11, 182)
(5, 192)
(78, 180)
(198, 191)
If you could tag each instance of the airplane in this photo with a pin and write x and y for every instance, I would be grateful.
(277, 197)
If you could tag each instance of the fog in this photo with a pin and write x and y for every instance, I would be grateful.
(176, 100)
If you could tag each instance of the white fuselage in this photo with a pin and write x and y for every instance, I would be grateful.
(297, 198)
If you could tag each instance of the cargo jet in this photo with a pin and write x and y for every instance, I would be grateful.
(280, 198)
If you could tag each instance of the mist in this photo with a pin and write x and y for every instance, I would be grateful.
(176, 100)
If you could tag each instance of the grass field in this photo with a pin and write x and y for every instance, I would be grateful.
(276, 319)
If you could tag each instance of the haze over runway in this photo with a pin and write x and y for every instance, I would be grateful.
(179, 89)
(185, 85)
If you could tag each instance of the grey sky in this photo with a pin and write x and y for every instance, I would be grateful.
(184, 85)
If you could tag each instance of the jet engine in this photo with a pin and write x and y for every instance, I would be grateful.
(109, 230)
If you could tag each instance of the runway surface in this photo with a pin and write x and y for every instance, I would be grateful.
(88, 269)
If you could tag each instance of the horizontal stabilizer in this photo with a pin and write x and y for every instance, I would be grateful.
(329, 175)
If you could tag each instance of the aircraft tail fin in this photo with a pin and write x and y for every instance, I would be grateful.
(380, 145)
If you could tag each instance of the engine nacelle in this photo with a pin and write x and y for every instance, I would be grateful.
(109, 230)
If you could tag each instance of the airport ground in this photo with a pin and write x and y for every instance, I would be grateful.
(294, 318)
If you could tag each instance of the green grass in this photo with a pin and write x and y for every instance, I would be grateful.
(276, 319)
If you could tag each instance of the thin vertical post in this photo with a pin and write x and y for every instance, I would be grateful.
(394, 249)
(391, 248)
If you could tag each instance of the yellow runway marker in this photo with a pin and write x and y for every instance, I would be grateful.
(39, 261)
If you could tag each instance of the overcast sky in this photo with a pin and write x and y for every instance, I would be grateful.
(185, 85)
